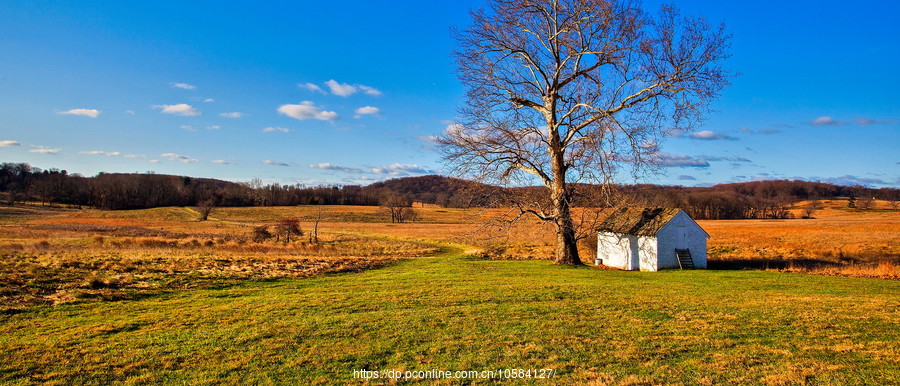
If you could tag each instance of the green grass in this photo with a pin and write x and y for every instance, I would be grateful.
(451, 312)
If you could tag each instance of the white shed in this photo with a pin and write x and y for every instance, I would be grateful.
(650, 239)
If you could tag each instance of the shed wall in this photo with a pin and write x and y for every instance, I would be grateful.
(629, 252)
(695, 241)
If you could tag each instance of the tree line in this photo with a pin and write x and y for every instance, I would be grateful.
(21, 182)
(755, 199)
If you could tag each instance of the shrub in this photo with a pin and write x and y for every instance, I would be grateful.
(261, 233)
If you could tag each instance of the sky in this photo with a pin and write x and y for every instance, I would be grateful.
(349, 92)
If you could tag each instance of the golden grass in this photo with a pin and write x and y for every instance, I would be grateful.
(57, 255)
(833, 242)
(61, 256)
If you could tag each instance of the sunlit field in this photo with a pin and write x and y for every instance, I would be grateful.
(55, 255)
(140, 296)
(835, 241)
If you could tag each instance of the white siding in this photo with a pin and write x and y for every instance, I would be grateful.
(695, 241)
(645, 253)
(628, 252)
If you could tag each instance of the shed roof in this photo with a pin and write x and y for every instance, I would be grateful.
(637, 221)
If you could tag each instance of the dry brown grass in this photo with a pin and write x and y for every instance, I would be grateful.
(57, 256)
(883, 270)
(53, 255)
(835, 241)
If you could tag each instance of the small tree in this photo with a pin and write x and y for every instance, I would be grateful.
(314, 235)
(261, 233)
(407, 214)
(811, 208)
(851, 203)
(398, 208)
(205, 208)
(865, 203)
(288, 227)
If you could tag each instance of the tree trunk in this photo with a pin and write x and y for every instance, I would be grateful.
(566, 243)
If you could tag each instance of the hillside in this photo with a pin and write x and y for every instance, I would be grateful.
(756, 199)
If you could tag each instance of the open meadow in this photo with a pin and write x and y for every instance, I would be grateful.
(154, 295)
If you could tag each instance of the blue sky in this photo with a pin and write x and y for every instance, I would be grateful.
(349, 91)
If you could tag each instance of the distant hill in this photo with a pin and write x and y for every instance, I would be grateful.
(20, 182)
(435, 189)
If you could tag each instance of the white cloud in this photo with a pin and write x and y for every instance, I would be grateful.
(9, 143)
(431, 139)
(850, 180)
(825, 121)
(271, 129)
(187, 127)
(345, 89)
(93, 113)
(233, 114)
(679, 160)
(99, 152)
(340, 89)
(729, 159)
(701, 161)
(182, 109)
(213, 127)
(306, 110)
(208, 100)
(184, 86)
(179, 158)
(400, 170)
(367, 110)
(709, 135)
(328, 166)
(219, 162)
(311, 87)
(458, 130)
(867, 121)
(43, 150)
(276, 163)
(129, 112)
(370, 90)
(134, 156)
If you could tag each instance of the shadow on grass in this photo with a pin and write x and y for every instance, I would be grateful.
(763, 264)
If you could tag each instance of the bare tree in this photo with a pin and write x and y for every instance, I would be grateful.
(866, 203)
(314, 235)
(811, 207)
(286, 228)
(407, 214)
(398, 207)
(205, 208)
(566, 91)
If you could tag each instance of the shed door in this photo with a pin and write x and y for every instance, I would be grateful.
(681, 237)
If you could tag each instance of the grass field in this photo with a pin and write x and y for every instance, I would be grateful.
(155, 296)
